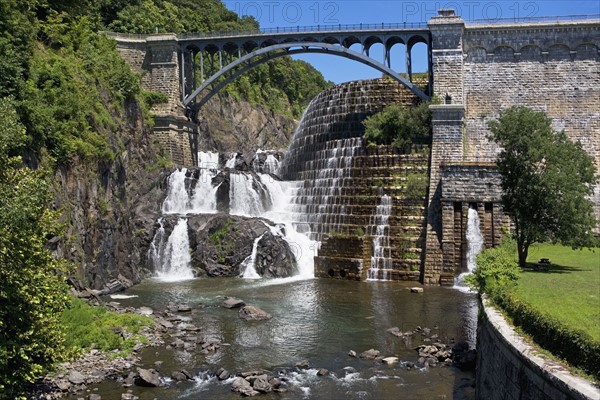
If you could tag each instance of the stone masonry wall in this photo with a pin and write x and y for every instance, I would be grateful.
(155, 58)
(551, 68)
(509, 368)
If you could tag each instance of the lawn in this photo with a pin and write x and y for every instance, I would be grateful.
(569, 290)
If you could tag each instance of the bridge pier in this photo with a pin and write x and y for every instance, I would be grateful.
(156, 58)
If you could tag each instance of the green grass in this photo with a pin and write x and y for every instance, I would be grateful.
(89, 327)
(569, 290)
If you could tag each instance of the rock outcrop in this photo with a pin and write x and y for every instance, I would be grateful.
(109, 207)
(221, 243)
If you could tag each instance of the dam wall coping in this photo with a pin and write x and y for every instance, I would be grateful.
(508, 367)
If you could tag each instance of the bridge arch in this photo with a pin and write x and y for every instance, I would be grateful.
(249, 61)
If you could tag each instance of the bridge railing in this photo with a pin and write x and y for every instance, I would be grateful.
(548, 19)
(307, 29)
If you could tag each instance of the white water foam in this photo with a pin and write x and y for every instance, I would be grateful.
(176, 263)
(474, 247)
(381, 260)
(250, 261)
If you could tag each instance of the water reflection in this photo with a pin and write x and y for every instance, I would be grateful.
(318, 320)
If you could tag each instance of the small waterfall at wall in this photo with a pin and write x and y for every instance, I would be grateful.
(474, 246)
(381, 260)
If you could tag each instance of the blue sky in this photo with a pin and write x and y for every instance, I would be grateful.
(292, 13)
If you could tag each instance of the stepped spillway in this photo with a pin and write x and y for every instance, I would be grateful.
(342, 181)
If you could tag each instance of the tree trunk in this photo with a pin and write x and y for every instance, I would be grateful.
(523, 250)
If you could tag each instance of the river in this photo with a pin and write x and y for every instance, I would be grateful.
(318, 320)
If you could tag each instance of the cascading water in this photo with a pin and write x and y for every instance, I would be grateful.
(250, 261)
(176, 262)
(381, 260)
(474, 246)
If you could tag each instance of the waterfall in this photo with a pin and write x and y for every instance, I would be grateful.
(176, 261)
(381, 260)
(474, 246)
(156, 250)
(245, 195)
(318, 202)
(178, 200)
(231, 162)
(208, 160)
(250, 261)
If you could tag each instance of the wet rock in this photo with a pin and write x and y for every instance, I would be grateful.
(222, 374)
(390, 360)
(179, 376)
(304, 364)
(463, 357)
(352, 353)
(221, 243)
(262, 384)
(232, 302)
(239, 383)
(147, 377)
(416, 290)
(94, 396)
(275, 382)
(253, 313)
(395, 331)
(128, 396)
(76, 378)
(247, 374)
(184, 308)
(145, 311)
(322, 372)
(370, 354)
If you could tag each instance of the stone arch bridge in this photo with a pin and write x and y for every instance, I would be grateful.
(206, 63)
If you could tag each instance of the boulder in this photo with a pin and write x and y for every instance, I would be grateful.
(390, 360)
(254, 313)
(304, 364)
(147, 377)
(462, 357)
(232, 302)
(221, 243)
(261, 384)
(416, 290)
(370, 354)
(76, 378)
(322, 372)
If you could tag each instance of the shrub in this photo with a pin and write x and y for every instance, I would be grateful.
(497, 269)
(398, 126)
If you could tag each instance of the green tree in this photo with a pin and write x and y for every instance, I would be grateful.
(399, 126)
(32, 292)
(546, 179)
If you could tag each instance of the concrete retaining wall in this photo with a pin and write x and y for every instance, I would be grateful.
(509, 368)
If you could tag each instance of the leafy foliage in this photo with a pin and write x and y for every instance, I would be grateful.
(95, 327)
(496, 269)
(32, 290)
(546, 179)
(399, 126)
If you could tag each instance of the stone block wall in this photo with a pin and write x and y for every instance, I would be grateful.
(178, 137)
(553, 68)
(509, 368)
(155, 58)
(464, 186)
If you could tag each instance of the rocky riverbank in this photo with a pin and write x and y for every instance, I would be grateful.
(173, 329)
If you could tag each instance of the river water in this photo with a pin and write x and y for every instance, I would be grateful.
(318, 320)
